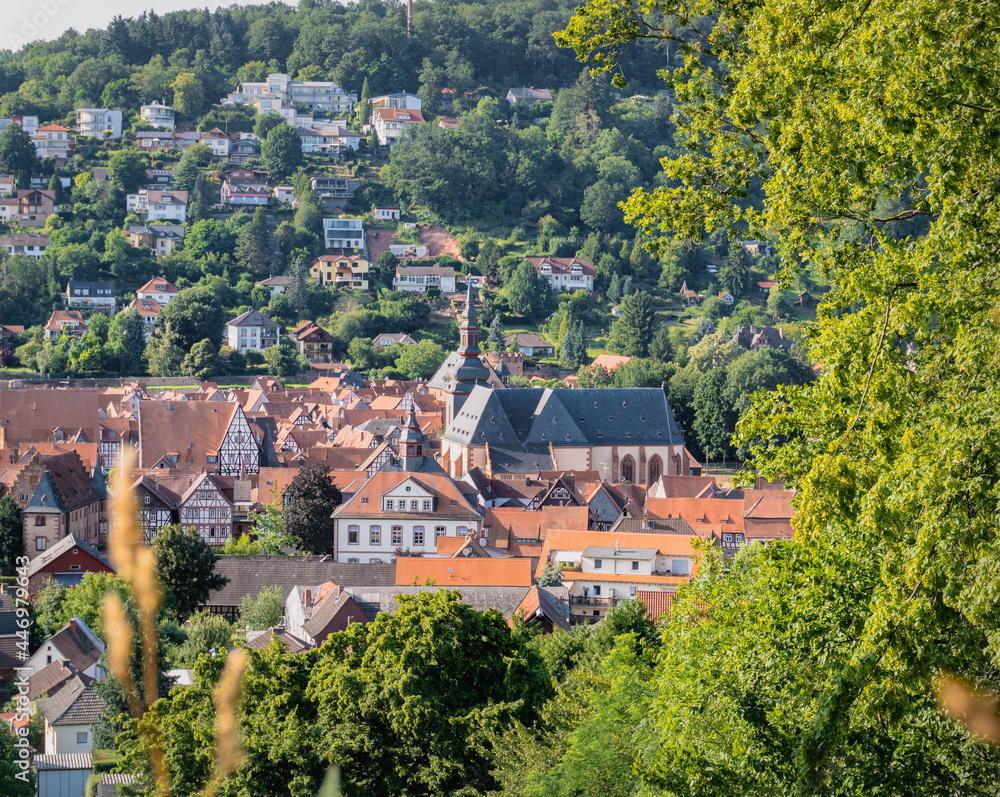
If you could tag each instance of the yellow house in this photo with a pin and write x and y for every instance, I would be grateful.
(340, 271)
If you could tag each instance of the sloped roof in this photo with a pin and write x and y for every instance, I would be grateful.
(458, 572)
(44, 763)
(551, 602)
(51, 678)
(67, 543)
(76, 703)
(373, 600)
(657, 602)
(252, 318)
(77, 645)
(289, 640)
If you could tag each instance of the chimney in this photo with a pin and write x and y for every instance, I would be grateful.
(72, 625)
(308, 598)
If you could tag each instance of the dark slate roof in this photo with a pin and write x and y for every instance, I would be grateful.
(248, 575)
(77, 646)
(45, 499)
(564, 417)
(252, 318)
(8, 618)
(43, 763)
(549, 601)
(77, 703)
(51, 678)
(651, 525)
(373, 600)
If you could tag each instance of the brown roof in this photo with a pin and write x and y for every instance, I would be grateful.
(290, 641)
(508, 524)
(193, 430)
(73, 642)
(51, 678)
(30, 416)
(540, 601)
(77, 703)
(437, 484)
(71, 480)
(657, 602)
(472, 572)
(399, 115)
(562, 265)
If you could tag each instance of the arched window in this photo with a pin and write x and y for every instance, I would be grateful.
(655, 469)
(628, 469)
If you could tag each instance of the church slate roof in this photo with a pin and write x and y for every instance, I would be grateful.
(538, 417)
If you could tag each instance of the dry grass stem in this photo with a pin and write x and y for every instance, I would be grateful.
(975, 708)
(228, 749)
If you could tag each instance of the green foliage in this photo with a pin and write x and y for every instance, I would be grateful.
(420, 360)
(127, 170)
(17, 152)
(253, 246)
(283, 359)
(632, 332)
(243, 546)
(203, 361)
(56, 605)
(263, 611)
(205, 631)
(10, 784)
(528, 293)
(309, 501)
(11, 536)
(193, 315)
(281, 151)
(185, 566)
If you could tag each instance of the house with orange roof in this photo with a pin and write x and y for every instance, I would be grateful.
(566, 273)
(53, 142)
(148, 310)
(449, 573)
(65, 322)
(609, 361)
(160, 289)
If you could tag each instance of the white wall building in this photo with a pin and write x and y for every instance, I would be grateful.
(401, 100)
(566, 273)
(151, 204)
(252, 330)
(279, 92)
(157, 115)
(97, 122)
(392, 124)
(344, 233)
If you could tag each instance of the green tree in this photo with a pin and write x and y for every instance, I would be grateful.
(528, 293)
(203, 361)
(420, 360)
(205, 632)
(185, 566)
(14, 781)
(11, 536)
(661, 348)
(194, 314)
(614, 289)
(497, 338)
(263, 611)
(574, 346)
(385, 268)
(429, 686)
(282, 151)
(17, 153)
(633, 330)
(736, 274)
(253, 246)
(310, 499)
(283, 359)
(298, 288)
(365, 103)
(127, 170)
(164, 352)
(189, 94)
(201, 202)
(266, 123)
(269, 529)
(56, 605)
(133, 344)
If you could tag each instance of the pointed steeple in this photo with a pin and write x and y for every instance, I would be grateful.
(468, 327)
(411, 443)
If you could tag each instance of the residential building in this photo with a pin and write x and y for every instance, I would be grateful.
(29, 124)
(391, 124)
(756, 338)
(283, 193)
(251, 331)
(244, 149)
(219, 142)
(157, 115)
(447, 123)
(314, 612)
(152, 204)
(418, 279)
(609, 362)
(148, 310)
(53, 142)
(70, 717)
(386, 339)
(342, 272)
(206, 507)
(528, 96)
(531, 344)
(90, 296)
(334, 191)
(158, 288)
(8, 183)
(63, 775)
(103, 123)
(331, 139)
(405, 506)
(65, 322)
(727, 298)
(161, 238)
(65, 563)
(245, 193)
(401, 101)
(688, 296)
(757, 247)
(313, 342)
(387, 213)
(155, 178)
(344, 233)
(58, 497)
(26, 244)
(566, 273)
(73, 644)
(279, 91)
(31, 208)
(275, 285)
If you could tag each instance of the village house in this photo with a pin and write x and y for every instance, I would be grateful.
(245, 193)
(252, 331)
(279, 88)
(65, 563)
(530, 344)
(29, 124)
(158, 288)
(284, 193)
(151, 204)
(30, 208)
(528, 96)
(400, 101)
(346, 234)
(157, 115)
(148, 310)
(392, 124)
(73, 644)
(276, 285)
(8, 183)
(105, 123)
(342, 272)
(756, 338)
(314, 343)
(566, 273)
(27, 244)
(65, 322)
(420, 279)
(386, 339)
(334, 192)
(219, 142)
(99, 296)
(53, 142)
(314, 612)
(70, 717)
(161, 238)
(387, 213)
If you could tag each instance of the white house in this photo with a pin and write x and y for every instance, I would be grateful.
(284, 193)
(98, 296)
(387, 213)
(74, 644)
(401, 100)
(70, 716)
(417, 279)
(159, 289)
(391, 124)
(25, 244)
(566, 273)
(153, 204)
(528, 96)
(220, 143)
(252, 330)
(99, 122)
(29, 124)
(531, 345)
(53, 142)
(406, 505)
(275, 285)
(343, 233)
(245, 193)
(157, 115)
(279, 92)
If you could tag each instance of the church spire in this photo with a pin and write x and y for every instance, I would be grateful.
(468, 327)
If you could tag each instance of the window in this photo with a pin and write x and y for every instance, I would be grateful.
(211, 533)
(375, 535)
(353, 561)
(418, 535)
(25, 496)
(628, 469)
(631, 592)
(680, 566)
(454, 502)
(196, 514)
(39, 520)
(74, 567)
(635, 565)
(461, 531)
(145, 499)
(426, 505)
(211, 460)
(81, 738)
(211, 514)
(439, 531)
(413, 505)
(397, 535)
(655, 469)
(223, 513)
(39, 543)
(48, 659)
(352, 535)
(597, 590)
(390, 504)
(364, 500)
(598, 563)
